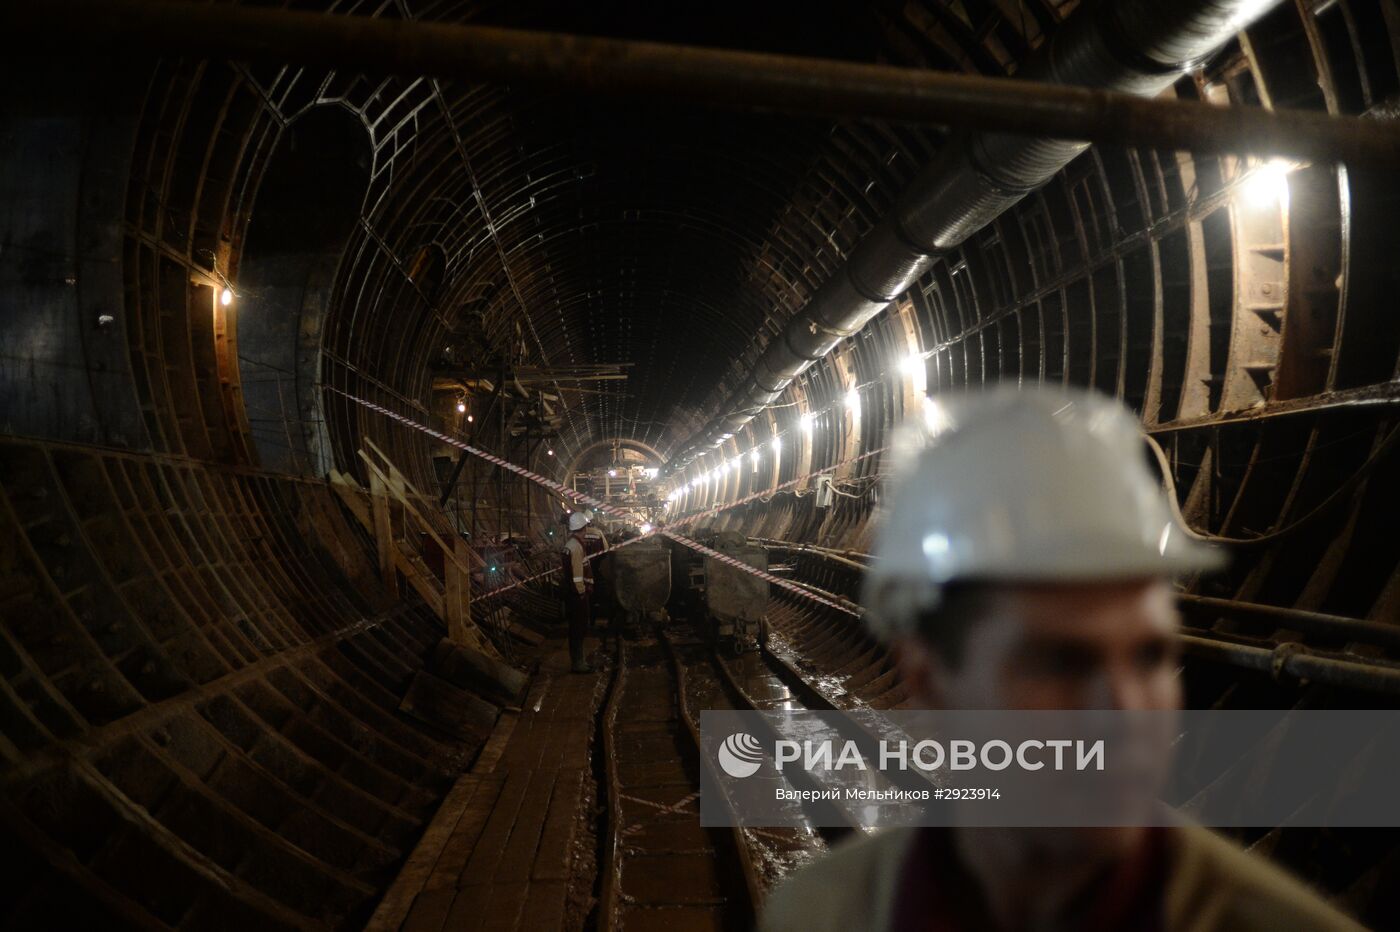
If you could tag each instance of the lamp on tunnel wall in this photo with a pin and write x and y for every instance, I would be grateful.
(913, 366)
(853, 401)
(461, 407)
(807, 418)
(549, 452)
(226, 297)
(1267, 184)
(936, 419)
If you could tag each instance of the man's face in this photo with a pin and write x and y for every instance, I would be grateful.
(1096, 646)
(1082, 646)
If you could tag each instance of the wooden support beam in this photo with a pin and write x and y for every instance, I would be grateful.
(383, 534)
(449, 597)
(458, 599)
(452, 482)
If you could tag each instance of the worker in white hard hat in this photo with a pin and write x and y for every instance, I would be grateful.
(1025, 562)
(577, 588)
(595, 542)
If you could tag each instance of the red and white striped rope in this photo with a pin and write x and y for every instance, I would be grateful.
(702, 549)
(778, 581)
(492, 458)
(604, 507)
(521, 583)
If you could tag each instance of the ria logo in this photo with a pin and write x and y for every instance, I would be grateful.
(740, 755)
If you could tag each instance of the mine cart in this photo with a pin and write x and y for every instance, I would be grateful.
(641, 579)
(736, 601)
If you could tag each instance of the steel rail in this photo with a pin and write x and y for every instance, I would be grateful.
(613, 901)
(822, 811)
(712, 77)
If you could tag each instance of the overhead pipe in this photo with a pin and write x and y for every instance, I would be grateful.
(1073, 99)
(1136, 47)
(1295, 660)
(824, 553)
(1377, 633)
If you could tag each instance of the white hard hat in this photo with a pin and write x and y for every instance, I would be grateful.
(577, 520)
(1041, 485)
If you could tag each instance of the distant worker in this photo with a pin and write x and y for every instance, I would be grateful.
(577, 588)
(1024, 563)
(595, 542)
(593, 535)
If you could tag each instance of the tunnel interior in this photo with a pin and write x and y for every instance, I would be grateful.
(209, 265)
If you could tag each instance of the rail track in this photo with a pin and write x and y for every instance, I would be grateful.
(661, 868)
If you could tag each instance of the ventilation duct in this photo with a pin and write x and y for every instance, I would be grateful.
(1131, 46)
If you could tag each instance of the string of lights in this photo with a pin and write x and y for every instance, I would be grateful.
(912, 366)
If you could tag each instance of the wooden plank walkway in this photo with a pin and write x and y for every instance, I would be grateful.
(498, 854)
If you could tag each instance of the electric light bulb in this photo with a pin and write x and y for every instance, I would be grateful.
(461, 408)
(936, 419)
(226, 298)
(1267, 185)
(913, 366)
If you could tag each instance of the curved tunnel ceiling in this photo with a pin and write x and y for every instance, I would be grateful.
(578, 231)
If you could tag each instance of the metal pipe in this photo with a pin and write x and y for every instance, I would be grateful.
(699, 75)
(843, 557)
(1362, 630)
(1381, 395)
(831, 557)
(1296, 660)
(834, 596)
(1355, 629)
(1128, 49)
(1289, 658)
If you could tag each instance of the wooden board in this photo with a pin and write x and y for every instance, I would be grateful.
(434, 700)
(470, 669)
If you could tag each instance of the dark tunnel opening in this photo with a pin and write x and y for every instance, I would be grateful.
(309, 199)
(273, 655)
